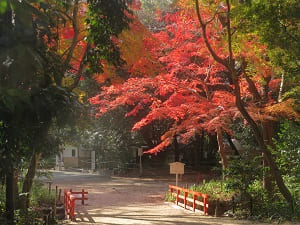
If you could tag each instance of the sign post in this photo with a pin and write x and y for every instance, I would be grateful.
(93, 159)
(140, 154)
(176, 168)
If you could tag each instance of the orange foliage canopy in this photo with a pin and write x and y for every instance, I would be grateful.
(192, 91)
(133, 43)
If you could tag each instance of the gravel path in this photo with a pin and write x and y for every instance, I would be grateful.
(118, 201)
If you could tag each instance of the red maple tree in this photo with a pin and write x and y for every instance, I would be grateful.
(206, 83)
(192, 91)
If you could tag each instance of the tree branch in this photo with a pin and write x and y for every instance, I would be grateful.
(210, 49)
(76, 33)
(281, 88)
(212, 18)
(231, 61)
(81, 67)
(252, 88)
(69, 49)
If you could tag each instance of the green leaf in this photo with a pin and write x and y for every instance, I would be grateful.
(3, 6)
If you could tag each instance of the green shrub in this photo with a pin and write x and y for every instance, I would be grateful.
(40, 195)
(241, 173)
(28, 218)
(2, 204)
(2, 199)
(273, 207)
(169, 197)
(287, 150)
(215, 190)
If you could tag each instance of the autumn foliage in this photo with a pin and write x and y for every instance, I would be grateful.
(190, 88)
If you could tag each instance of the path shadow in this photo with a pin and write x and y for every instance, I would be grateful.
(82, 215)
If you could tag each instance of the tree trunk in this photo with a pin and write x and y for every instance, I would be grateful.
(176, 149)
(222, 153)
(199, 148)
(195, 156)
(201, 145)
(236, 152)
(259, 138)
(267, 130)
(229, 63)
(10, 196)
(27, 184)
(212, 145)
(16, 189)
(281, 88)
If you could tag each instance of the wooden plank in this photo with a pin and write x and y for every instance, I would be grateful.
(181, 196)
(77, 192)
(189, 191)
(190, 208)
(81, 199)
(190, 200)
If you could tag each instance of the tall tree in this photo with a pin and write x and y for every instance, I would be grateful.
(206, 83)
(236, 66)
(32, 69)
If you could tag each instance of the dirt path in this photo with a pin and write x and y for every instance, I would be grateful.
(129, 201)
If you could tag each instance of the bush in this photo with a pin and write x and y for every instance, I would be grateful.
(28, 218)
(245, 178)
(2, 199)
(40, 195)
(287, 150)
(169, 197)
(271, 208)
(2, 204)
(242, 173)
(215, 190)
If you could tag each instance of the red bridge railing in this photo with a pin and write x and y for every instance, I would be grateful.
(184, 200)
(69, 201)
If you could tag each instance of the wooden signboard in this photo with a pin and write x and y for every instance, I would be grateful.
(176, 168)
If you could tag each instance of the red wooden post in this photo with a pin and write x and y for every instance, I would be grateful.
(171, 192)
(205, 200)
(65, 199)
(177, 197)
(194, 202)
(69, 203)
(185, 195)
(72, 208)
(82, 201)
(207, 197)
